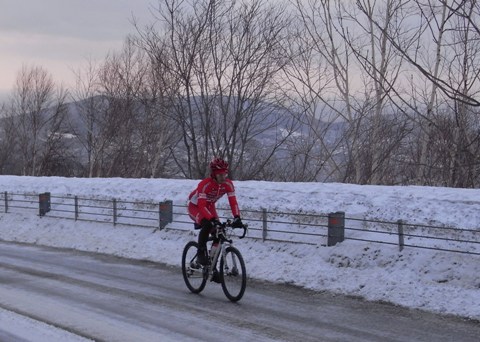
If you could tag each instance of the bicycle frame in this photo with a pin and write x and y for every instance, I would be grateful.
(223, 243)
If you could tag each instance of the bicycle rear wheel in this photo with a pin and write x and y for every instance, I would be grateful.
(233, 274)
(194, 275)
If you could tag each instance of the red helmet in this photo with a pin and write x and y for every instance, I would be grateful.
(218, 165)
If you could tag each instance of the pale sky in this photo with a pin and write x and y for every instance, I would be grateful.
(61, 35)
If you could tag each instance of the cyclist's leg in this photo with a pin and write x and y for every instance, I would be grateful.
(202, 241)
(204, 232)
(195, 215)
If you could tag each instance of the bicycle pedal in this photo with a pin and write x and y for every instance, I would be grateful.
(195, 265)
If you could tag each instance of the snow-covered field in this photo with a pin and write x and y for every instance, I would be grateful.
(441, 282)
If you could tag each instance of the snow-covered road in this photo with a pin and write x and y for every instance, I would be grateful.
(102, 297)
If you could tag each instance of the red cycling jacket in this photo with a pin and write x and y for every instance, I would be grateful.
(201, 202)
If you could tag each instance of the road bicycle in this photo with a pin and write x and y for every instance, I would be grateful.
(231, 273)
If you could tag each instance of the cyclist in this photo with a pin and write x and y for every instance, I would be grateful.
(201, 204)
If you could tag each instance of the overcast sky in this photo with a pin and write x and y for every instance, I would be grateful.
(61, 35)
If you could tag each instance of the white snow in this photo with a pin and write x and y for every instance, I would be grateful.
(441, 282)
(23, 328)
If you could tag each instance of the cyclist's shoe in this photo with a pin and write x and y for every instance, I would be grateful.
(195, 265)
(216, 277)
(234, 272)
(202, 257)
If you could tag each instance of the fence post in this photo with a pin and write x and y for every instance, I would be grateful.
(401, 241)
(165, 214)
(159, 217)
(43, 203)
(264, 218)
(6, 201)
(336, 228)
(114, 212)
(76, 208)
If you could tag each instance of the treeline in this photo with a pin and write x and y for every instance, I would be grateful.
(365, 92)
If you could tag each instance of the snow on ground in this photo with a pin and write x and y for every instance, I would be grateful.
(22, 328)
(441, 282)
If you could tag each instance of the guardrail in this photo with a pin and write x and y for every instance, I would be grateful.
(309, 228)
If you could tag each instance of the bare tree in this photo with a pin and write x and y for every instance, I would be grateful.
(468, 10)
(85, 121)
(158, 133)
(434, 19)
(463, 76)
(319, 79)
(120, 79)
(381, 67)
(225, 58)
(39, 112)
(346, 67)
(448, 29)
(8, 143)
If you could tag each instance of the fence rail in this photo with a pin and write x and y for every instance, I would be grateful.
(307, 228)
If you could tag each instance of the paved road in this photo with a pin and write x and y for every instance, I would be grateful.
(110, 299)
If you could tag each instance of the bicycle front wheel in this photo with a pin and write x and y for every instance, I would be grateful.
(194, 275)
(233, 274)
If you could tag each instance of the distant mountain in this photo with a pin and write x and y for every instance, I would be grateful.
(99, 114)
